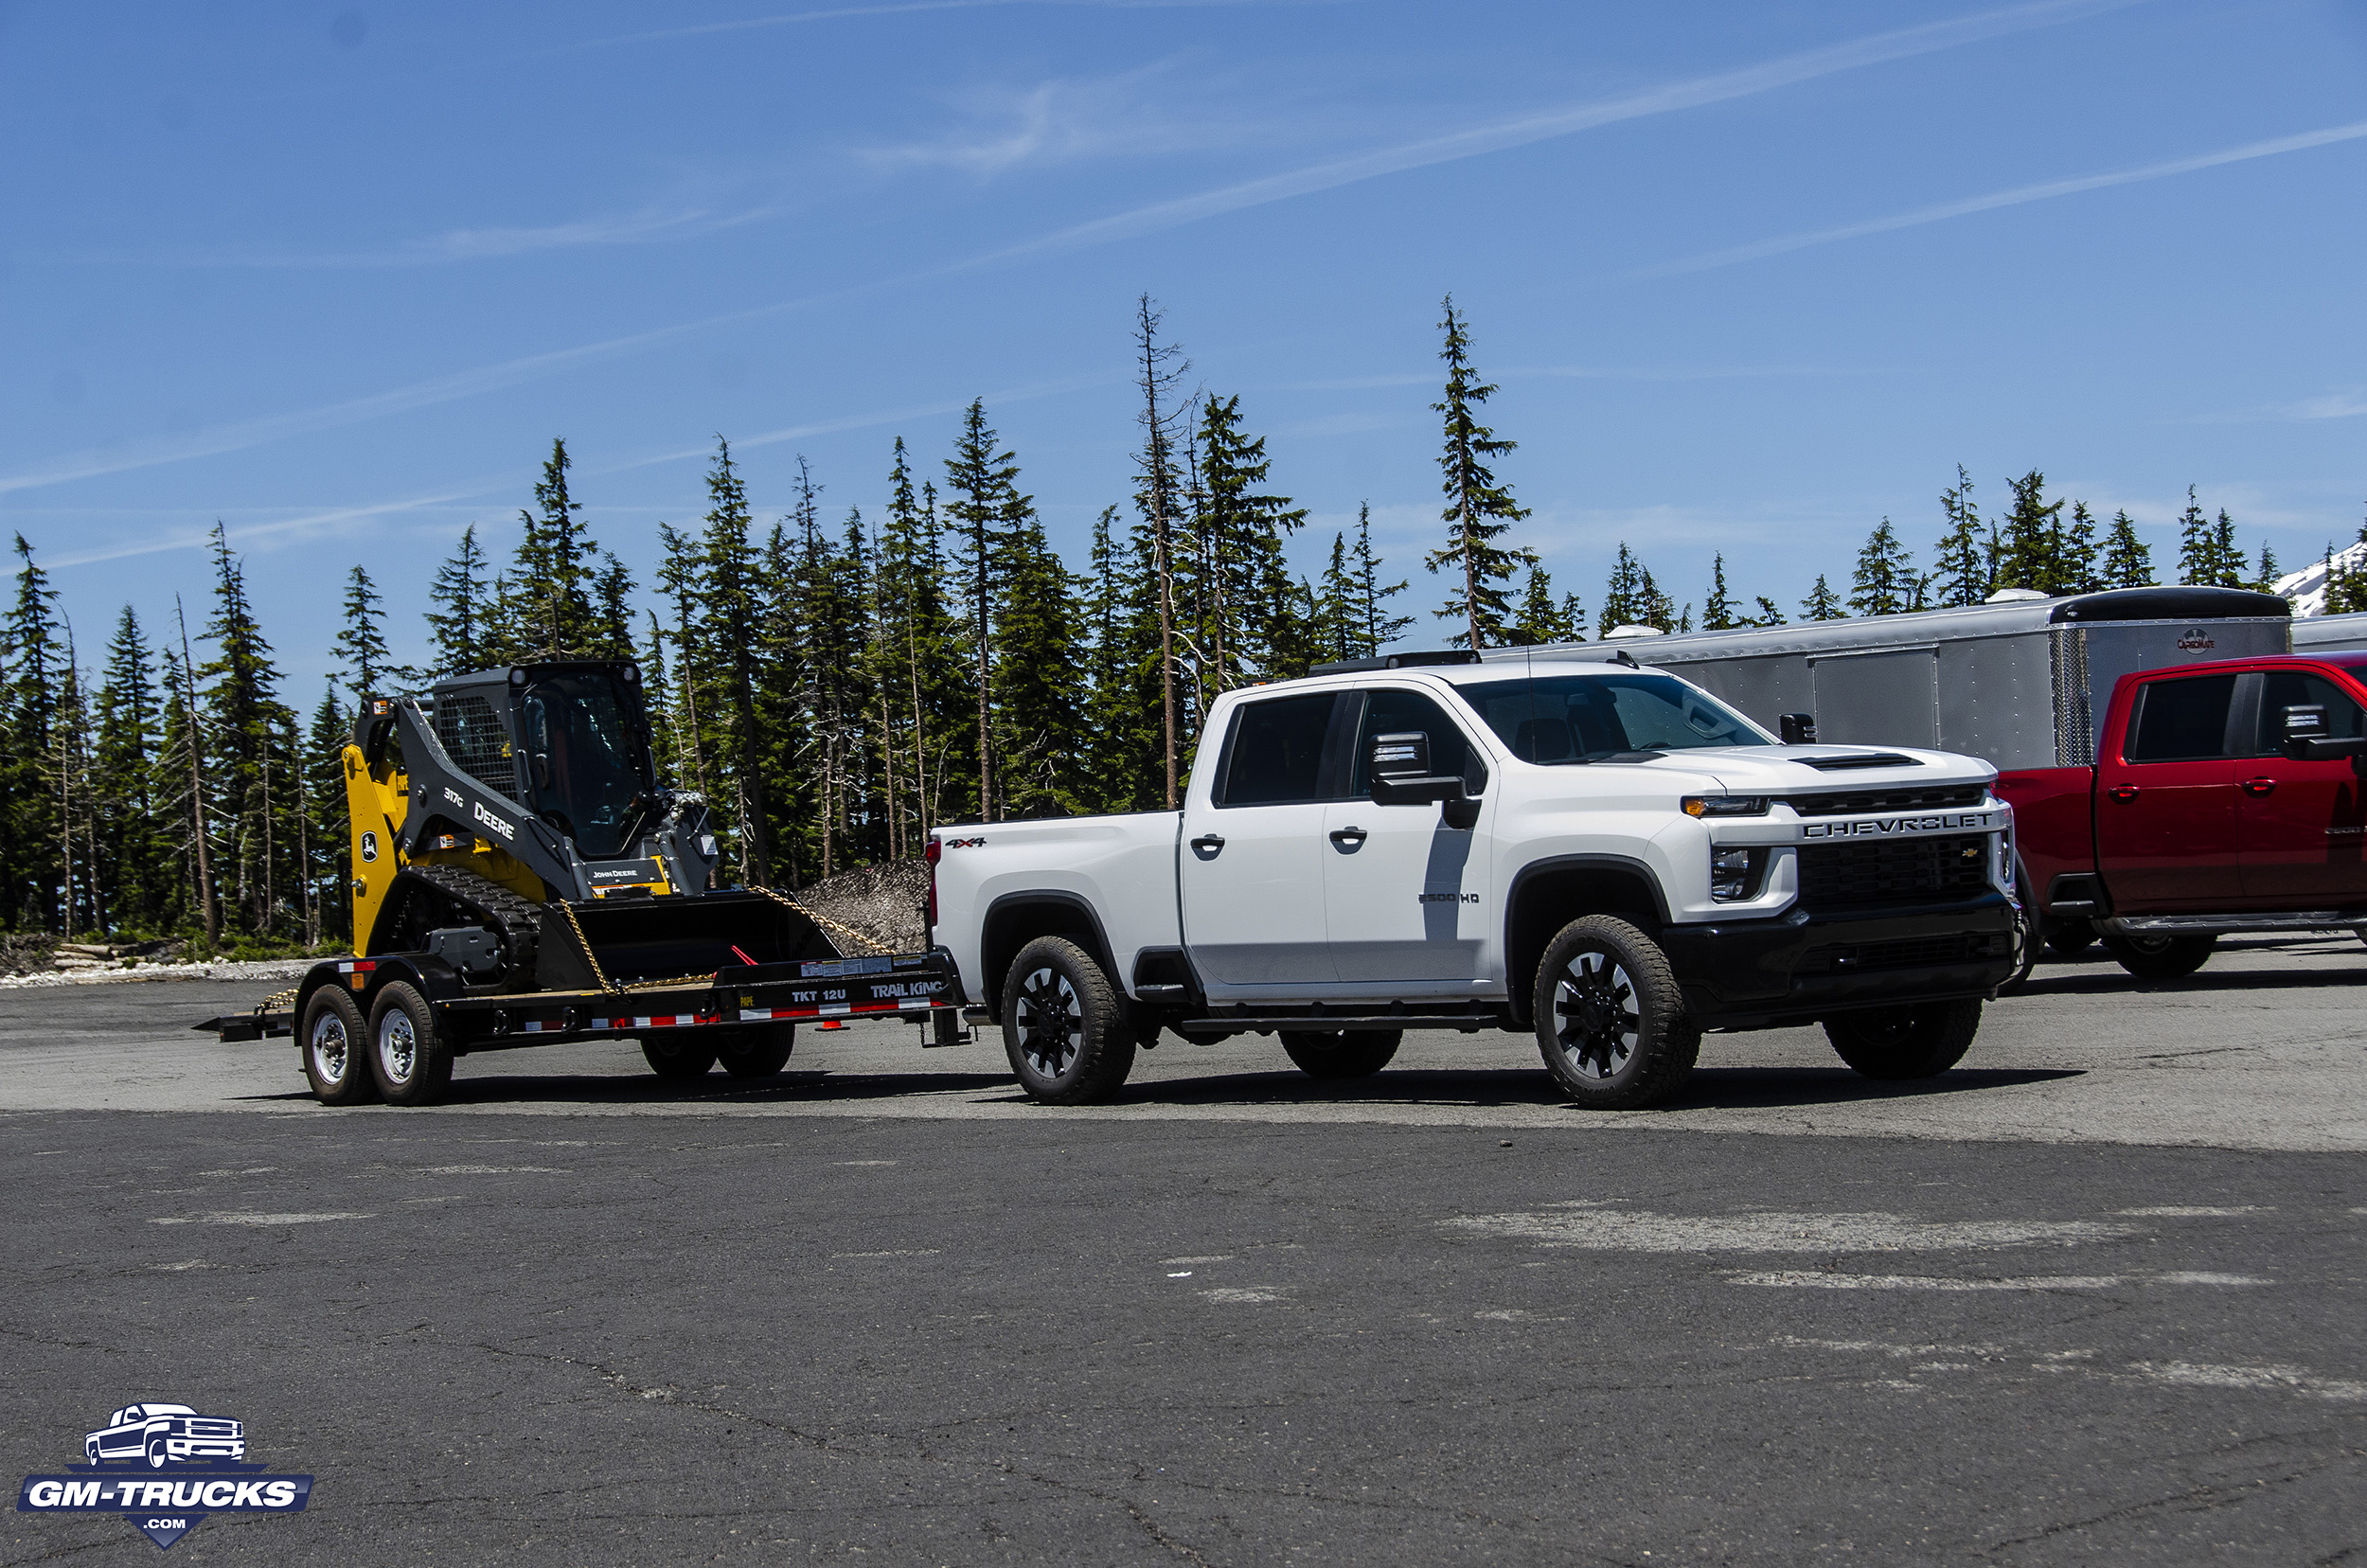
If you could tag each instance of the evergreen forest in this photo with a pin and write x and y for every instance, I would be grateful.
(836, 684)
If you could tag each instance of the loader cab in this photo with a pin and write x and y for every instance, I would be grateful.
(570, 742)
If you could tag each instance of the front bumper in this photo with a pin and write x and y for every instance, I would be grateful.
(1804, 965)
(206, 1447)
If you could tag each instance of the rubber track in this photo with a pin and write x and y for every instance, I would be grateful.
(518, 920)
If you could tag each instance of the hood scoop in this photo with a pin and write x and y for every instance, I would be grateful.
(1844, 764)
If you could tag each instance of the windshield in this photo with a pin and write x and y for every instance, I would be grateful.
(586, 760)
(1553, 719)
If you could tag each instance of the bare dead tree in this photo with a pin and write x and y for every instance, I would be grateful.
(1160, 369)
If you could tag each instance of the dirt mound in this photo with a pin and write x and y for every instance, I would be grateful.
(883, 902)
(29, 954)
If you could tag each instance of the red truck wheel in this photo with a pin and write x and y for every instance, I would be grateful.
(2161, 957)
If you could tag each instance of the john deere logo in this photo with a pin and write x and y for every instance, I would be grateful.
(164, 1466)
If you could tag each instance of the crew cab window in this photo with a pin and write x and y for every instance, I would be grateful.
(1395, 712)
(1275, 756)
(2180, 720)
(1566, 719)
(2286, 688)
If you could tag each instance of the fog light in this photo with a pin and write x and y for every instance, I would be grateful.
(1730, 874)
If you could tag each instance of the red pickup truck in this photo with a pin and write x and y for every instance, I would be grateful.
(2225, 797)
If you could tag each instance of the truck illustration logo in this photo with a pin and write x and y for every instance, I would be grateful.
(165, 1468)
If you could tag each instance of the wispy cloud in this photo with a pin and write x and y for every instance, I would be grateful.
(1727, 86)
(835, 14)
(2334, 405)
(254, 533)
(2016, 197)
(648, 226)
(1503, 135)
(1070, 121)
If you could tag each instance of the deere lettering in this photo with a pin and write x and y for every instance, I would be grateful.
(1878, 827)
(506, 830)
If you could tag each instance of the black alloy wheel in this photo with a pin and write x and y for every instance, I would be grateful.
(1341, 1053)
(2161, 957)
(1063, 1027)
(1611, 1022)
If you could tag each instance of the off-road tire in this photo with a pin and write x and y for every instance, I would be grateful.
(1341, 1053)
(1611, 1022)
(420, 1074)
(1062, 1025)
(2161, 957)
(2070, 938)
(679, 1055)
(756, 1050)
(334, 1045)
(1918, 1040)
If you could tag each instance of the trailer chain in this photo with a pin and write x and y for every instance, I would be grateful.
(834, 927)
(278, 1000)
(584, 946)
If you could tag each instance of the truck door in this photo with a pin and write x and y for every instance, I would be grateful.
(1407, 895)
(2299, 825)
(2165, 799)
(1251, 867)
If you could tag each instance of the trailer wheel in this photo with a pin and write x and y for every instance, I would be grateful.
(336, 1063)
(1921, 1040)
(678, 1056)
(2161, 957)
(1341, 1053)
(1062, 1027)
(757, 1050)
(409, 1056)
(1610, 1022)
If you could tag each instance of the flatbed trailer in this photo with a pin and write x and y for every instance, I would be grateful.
(921, 987)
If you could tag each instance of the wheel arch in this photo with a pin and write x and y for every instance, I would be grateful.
(1014, 919)
(1548, 894)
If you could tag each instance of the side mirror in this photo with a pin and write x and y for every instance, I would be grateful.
(1799, 729)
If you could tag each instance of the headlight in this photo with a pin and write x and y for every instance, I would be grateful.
(1731, 872)
(1725, 806)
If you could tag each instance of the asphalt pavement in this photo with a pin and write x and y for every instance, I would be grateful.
(2093, 1298)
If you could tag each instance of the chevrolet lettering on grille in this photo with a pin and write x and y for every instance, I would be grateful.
(1939, 822)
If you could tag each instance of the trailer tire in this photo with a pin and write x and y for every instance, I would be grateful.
(678, 1056)
(1918, 1040)
(1341, 1053)
(757, 1050)
(333, 1045)
(409, 1056)
(1062, 1027)
(1611, 1022)
(2161, 957)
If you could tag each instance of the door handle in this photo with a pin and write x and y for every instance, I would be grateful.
(2123, 791)
(2260, 786)
(1346, 836)
(1208, 844)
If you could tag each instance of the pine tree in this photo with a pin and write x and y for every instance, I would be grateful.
(35, 668)
(328, 850)
(2269, 571)
(1037, 675)
(612, 611)
(1335, 624)
(1822, 604)
(1718, 610)
(543, 603)
(2027, 555)
(2198, 553)
(1249, 586)
(362, 644)
(130, 853)
(924, 642)
(1540, 619)
(247, 720)
(731, 591)
(1886, 582)
(983, 516)
(1376, 627)
(1159, 369)
(1768, 614)
(2128, 559)
(457, 629)
(1961, 572)
(1626, 598)
(1479, 510)
(184, 775)
(2075, 547)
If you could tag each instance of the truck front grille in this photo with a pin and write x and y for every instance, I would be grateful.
(1861, 801)
(1896, 870)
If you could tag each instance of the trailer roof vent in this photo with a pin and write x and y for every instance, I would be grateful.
(2016, 595)
(1621, 634)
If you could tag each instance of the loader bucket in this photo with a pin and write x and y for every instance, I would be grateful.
(666, 938)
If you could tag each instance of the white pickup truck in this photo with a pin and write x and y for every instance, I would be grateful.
(1606, 855)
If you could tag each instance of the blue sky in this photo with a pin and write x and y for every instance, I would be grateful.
(1751, 275)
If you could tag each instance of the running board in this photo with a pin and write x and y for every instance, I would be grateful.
(1232, 1024)
(2215, 925)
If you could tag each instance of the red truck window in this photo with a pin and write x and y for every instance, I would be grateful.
(2298, 688)
(2180, 720)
